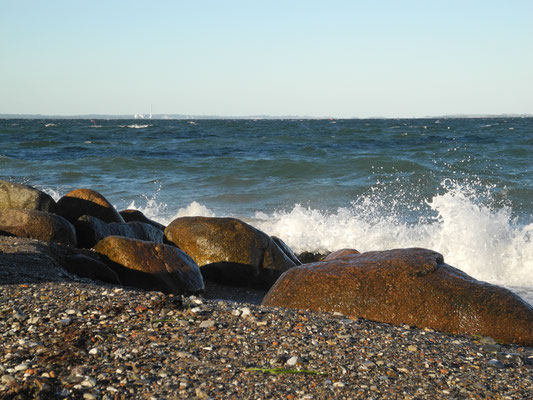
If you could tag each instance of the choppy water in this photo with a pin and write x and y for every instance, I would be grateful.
(463, 187)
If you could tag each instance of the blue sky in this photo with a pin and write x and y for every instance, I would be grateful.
(316, 58)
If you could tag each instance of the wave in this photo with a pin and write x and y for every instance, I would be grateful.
(136, 126)
(484, 241)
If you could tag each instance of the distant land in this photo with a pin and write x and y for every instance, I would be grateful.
(183, 116)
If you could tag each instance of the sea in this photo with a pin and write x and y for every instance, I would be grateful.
(462, 187)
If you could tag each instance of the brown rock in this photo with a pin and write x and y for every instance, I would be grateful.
(88, 267)
(87, 202)
(340, 253)
(151, 266)
(25, 260)
(37, 225)
(90, 230)
(138, 216)
(406, 286)
(229, 251)
(307, 257)
(15, 195)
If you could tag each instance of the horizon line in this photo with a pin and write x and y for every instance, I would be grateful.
(244, 117)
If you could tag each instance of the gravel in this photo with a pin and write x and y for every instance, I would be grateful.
(64, 337)
(126, 343)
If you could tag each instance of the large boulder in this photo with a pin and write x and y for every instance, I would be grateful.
(90, 230)
(138, 216)
(340, 253)
(151, 266)
(15, 195)
(229, 251)
(37, 225)
(406, 286)
(25, 260)
(87, 202)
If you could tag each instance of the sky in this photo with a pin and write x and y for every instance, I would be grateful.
(336, 59)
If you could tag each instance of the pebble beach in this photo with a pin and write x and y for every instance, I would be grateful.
(65, 337)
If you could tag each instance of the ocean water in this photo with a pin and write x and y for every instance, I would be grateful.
(462, 187)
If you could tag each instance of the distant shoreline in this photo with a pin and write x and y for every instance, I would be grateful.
(251, 117)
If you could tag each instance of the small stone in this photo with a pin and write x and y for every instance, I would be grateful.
(279, 359)
(70, 312)
(245, 311)
(292, 361)
(487, 340)
(21, 367)
(367, 364)
(65, 321)
(200, 393)
(112, 389)
(207, 324)
(89, 382)
(496, 363)
(412, 348)
(89, 396)
(93, 351)
(7, 379)
(338, 384)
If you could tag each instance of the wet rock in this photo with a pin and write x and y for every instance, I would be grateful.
(87, 202)
(151, 266)
(138, 216)
(340, 253)
(37, 225)
(15, 195)
(406, 286)
(90, 230)
(496, 364)
(88, 267)
(286, 249)
(229, 251)
(307, 257)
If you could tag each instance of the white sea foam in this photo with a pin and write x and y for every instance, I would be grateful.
(483, 242)
(135, 126)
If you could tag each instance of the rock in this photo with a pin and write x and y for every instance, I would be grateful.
(207, 323)
(406, 286)
(151, 266)
(37, 225)
(138, 216)
(287, 250)
(496, 364)
(340, 253)
(28, 260)
(307, 257)
(87, 267)
(15, 195)
(229, 251)
(90, 230)
(87, 202)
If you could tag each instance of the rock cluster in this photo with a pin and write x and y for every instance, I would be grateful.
(83, 234)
